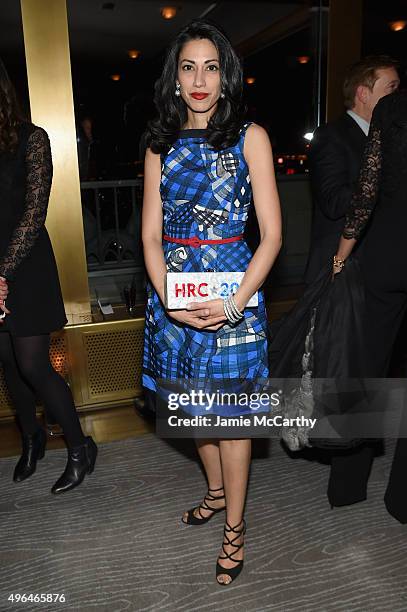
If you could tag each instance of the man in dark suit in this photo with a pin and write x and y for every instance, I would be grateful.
(336, 154)
(335, 159)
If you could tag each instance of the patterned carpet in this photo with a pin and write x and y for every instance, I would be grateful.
(117, 543)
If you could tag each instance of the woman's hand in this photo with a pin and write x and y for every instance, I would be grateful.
(3, 296)
(337, 265)
(208, 315)
(3, 311)
(212, 312)
(3, 288)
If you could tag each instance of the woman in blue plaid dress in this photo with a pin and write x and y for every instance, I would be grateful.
(202, 167)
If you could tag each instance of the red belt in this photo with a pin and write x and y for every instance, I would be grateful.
(196, 242)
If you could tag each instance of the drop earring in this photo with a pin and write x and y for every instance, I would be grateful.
(222, 95)
(177, 89)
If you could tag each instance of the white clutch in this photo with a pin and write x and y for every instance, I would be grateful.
(181, 288)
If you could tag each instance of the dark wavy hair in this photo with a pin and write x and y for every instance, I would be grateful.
(10, 115)
(225, 123)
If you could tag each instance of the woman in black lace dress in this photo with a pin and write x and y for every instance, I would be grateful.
(31, 304)
(382, 190)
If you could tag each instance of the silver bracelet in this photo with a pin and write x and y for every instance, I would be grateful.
(232, 312)
(234, 308)
(227, 311)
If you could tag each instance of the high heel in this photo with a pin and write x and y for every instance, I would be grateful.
(33, 451)
(81, 461)
(192, 519)
(232, 572)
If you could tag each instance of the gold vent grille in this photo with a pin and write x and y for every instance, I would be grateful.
(114, 361)
(58, 353)
(5, 401)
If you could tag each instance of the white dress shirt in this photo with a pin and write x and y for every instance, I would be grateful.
(362, 123)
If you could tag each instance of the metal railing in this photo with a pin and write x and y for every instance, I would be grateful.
(112, 223)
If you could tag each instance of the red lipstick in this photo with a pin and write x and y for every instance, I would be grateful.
(199, 96)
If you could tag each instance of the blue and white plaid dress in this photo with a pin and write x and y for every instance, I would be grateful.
(205, 193)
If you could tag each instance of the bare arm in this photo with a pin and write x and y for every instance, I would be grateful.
(152, 223)
(259, 157)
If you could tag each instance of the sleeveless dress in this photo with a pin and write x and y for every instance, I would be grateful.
(205, 193)
(26, 257)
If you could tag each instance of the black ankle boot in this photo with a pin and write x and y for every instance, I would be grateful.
(33, 450)
(81, 461)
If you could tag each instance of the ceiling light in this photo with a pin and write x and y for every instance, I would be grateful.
(309, 136)
(397, 26)
(303, 59)
(115, 77)
(250, 80)
(133, 53)
(168, 12)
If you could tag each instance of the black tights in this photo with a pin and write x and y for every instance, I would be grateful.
(29, 372)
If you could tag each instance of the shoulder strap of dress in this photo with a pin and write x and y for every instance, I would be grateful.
(242, 134)
(244, 127)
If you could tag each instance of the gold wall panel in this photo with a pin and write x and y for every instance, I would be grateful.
(45, 27)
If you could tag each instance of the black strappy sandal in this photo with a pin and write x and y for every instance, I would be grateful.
(232, 572)
(200, 519)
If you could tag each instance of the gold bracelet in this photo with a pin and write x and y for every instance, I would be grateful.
(338, 263)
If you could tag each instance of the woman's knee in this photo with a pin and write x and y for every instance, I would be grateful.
(235, 444)
(35, 372)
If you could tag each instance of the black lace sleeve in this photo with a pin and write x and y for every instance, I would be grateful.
(367, 190)
(39, 177)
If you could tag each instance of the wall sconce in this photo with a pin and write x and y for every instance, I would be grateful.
(168, 12)
(250, 80)
(115, 77)
(397, 26)
(303, 59)
(133, 53)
